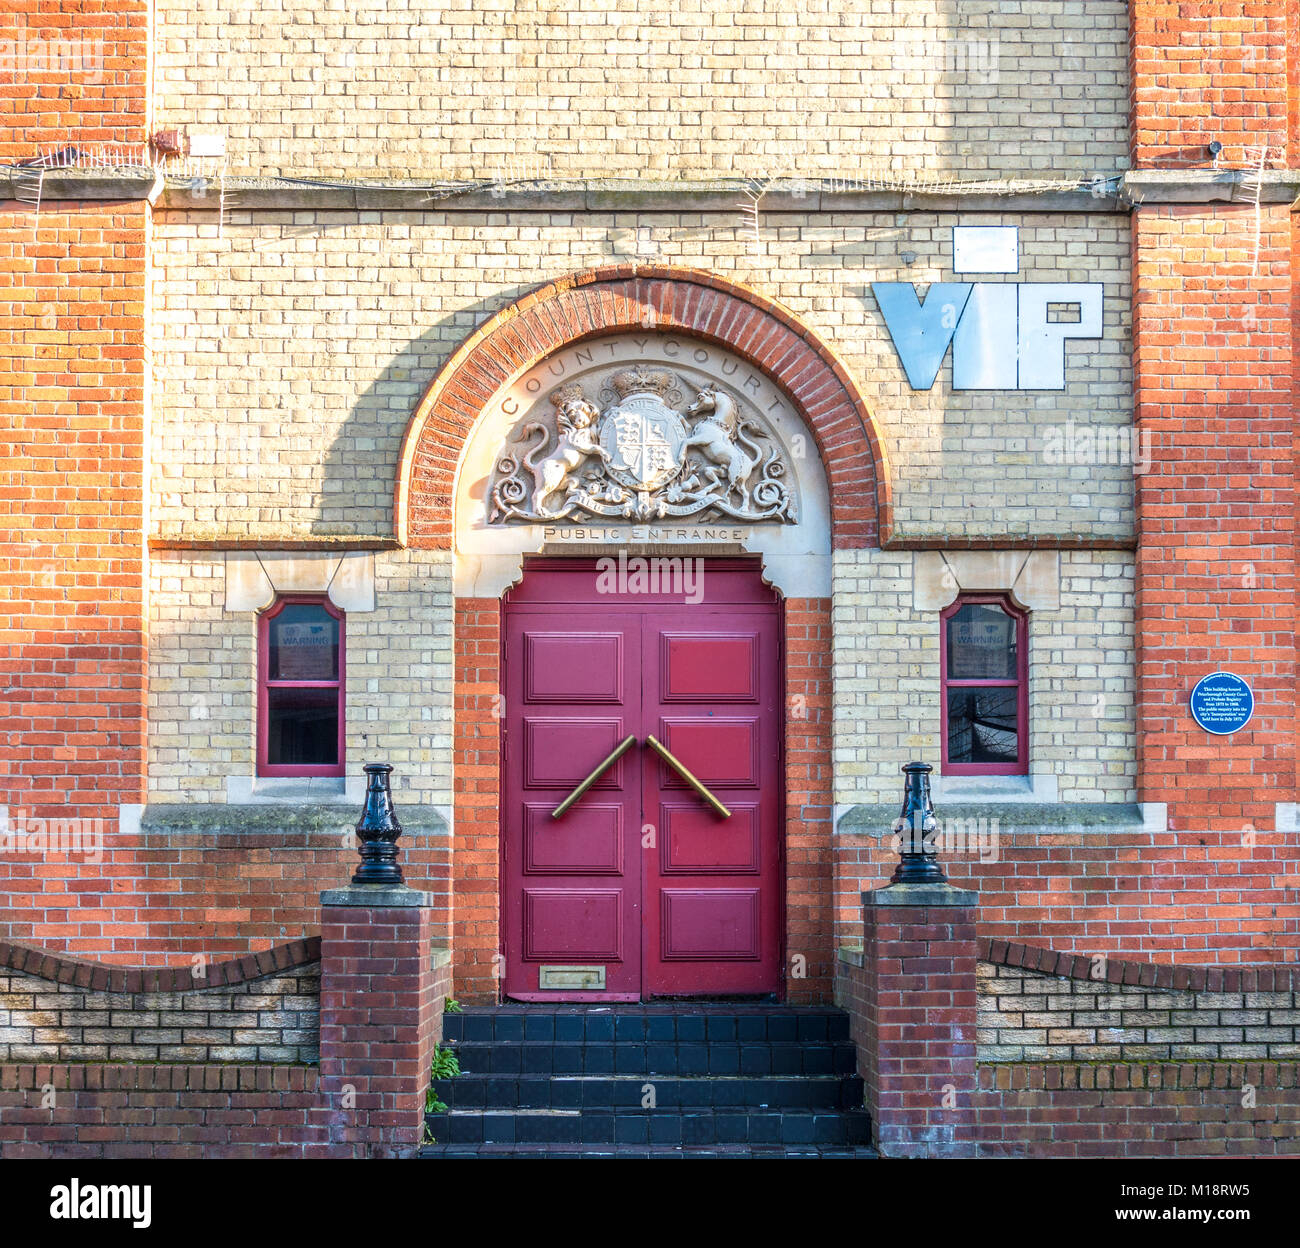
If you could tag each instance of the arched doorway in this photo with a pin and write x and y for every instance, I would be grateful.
(472, 434)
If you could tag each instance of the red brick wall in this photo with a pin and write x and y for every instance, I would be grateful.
(81, 75)
(1216, 511)
(381, 1000)
(476, 906)
(1203, 897)
(1133, 1110)
(163, 1111)
(72, 456)
(809, 807)
(912, 1012)
(1213, 326)
(1208, 70)
(209, 894)
(912, 1005)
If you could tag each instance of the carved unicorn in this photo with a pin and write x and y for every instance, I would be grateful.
(716, 437)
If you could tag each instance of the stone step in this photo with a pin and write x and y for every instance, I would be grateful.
(633, 1151)
(673, 1022)
(471, 1091)
(681, 1057)
(657, 1127)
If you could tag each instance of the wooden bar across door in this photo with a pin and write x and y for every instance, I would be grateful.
(642, 887)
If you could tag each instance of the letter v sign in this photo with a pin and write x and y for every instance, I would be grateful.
(921, 331)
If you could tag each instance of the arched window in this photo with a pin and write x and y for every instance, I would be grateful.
(985, 687)
(300, 688)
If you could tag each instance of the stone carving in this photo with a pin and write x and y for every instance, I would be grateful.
(639, 459)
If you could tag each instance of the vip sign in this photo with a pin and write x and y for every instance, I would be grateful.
(1004, 335)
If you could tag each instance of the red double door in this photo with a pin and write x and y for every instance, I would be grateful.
(642, 887)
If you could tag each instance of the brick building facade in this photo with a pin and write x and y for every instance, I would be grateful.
(306, 280)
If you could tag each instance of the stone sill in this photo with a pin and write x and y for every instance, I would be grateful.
(1204, 186)
(288, 541)
(297, 791)
(1034, 818)
(287, 822)
(1118, 193)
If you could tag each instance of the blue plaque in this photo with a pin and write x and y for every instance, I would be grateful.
(1222, 703)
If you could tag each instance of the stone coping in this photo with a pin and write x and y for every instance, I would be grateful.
(98, 976)
(1114, 193)
(1275, 977)
(377, 897)
(162, 1077)
(274, 818)
(1178, 1075)
(1035, 818)
(919, 895)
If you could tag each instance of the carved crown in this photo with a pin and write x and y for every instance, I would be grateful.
(638, 380)
(562, 396)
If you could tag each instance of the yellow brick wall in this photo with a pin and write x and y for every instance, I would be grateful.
(291, 350)
(653, 89)
(203, 678)
(886, 673)
(1082, 722)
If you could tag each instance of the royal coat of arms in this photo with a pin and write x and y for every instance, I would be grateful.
(642, 459)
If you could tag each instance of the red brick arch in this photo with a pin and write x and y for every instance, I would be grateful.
(627, 297)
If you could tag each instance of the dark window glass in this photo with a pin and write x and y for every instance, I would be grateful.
(984, 679)
(304, 642)
(302, 726)
(981, 643)
(982, 725)
(301, 698)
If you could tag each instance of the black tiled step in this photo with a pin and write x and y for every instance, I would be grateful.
(647, 1024)
(729, 1080)
(680, 1057)
(656, 1127)
(632, 1151)
(471, 1091)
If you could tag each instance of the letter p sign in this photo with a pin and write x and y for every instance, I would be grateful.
(1004, 335)
(1042, 341)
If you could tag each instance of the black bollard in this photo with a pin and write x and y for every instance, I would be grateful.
(378, 829)
(917, 828)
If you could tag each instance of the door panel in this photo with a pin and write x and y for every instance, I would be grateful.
(571, 886)
(585, 924)
(560, 751)
(706, 924)
(573, 667)
(640, 878)
(712, 892)
(592, 843)
(723, 750)
(720, 666)
(695, 841)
